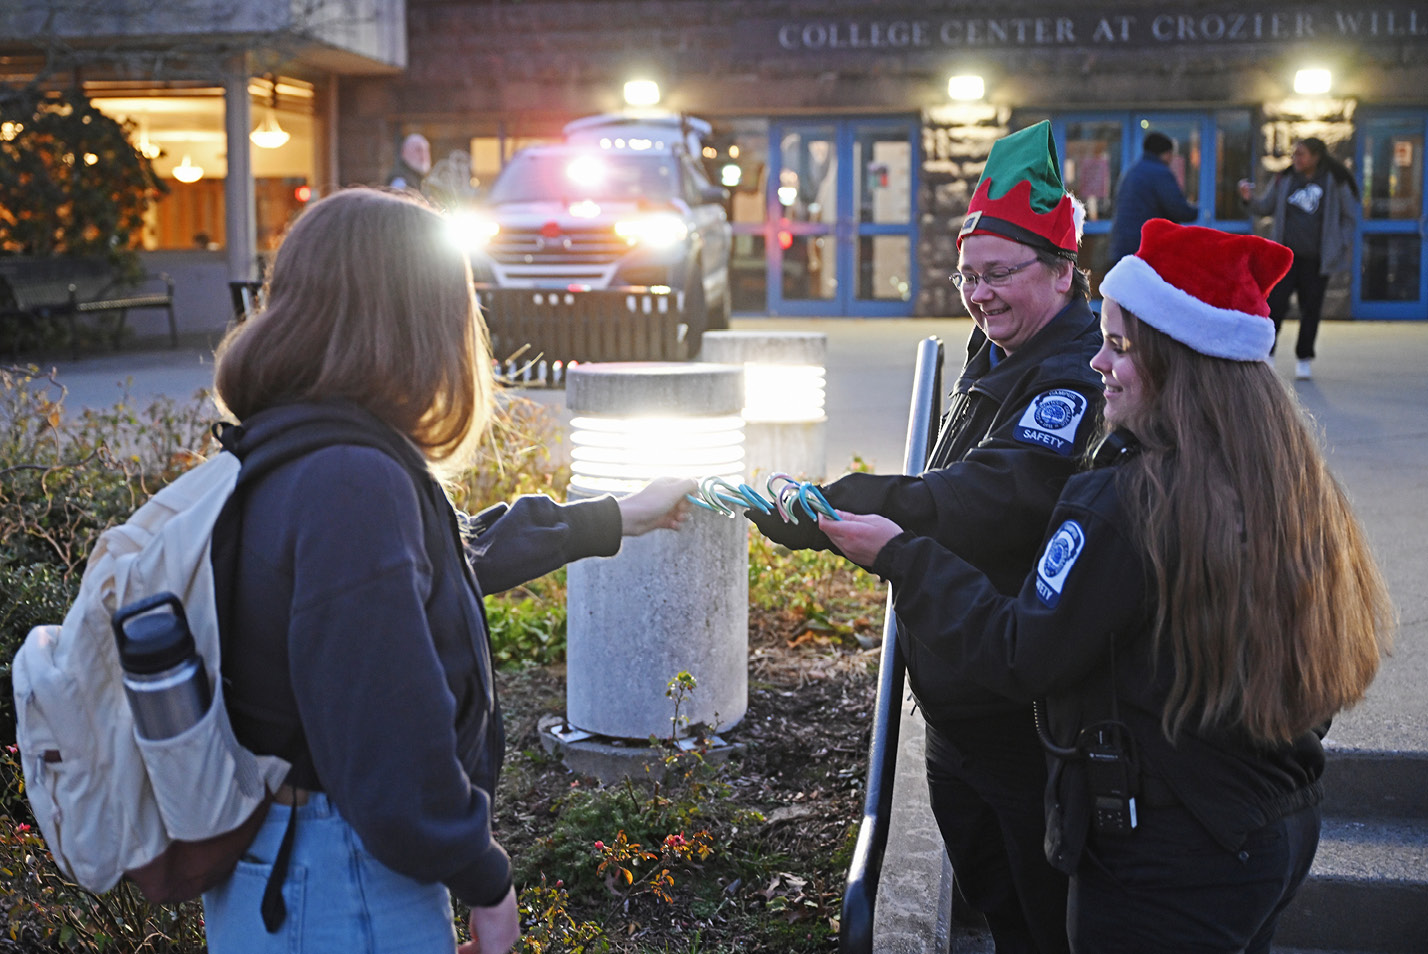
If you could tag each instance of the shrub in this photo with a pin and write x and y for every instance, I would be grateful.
(62, 483)
(71, 182)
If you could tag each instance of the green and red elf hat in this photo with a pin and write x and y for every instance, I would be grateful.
(1021, 196)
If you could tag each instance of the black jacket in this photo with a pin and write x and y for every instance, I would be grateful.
(1013, 432)
(359, 636)
(1079, 633)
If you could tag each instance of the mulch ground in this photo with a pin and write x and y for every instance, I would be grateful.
(805, 738)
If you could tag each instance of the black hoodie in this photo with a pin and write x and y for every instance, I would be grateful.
(358, 637)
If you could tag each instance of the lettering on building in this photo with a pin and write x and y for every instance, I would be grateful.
(1138, 28)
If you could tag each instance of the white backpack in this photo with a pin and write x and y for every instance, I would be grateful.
(111, 803)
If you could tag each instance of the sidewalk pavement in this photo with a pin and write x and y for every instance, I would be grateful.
(1369, 394)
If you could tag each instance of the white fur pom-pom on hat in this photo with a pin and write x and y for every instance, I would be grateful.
(1205, 288)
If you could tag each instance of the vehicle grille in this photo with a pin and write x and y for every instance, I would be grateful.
(595, 246)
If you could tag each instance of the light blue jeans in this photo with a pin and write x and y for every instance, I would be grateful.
(340, 899)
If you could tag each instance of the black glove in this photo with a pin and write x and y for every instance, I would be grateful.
(803, 535)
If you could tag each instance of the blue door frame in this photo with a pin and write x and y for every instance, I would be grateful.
(1393, 242)
(846, 230)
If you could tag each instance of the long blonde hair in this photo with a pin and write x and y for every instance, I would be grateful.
(1270, 608)
(370, 302)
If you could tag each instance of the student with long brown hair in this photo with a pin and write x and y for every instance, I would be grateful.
(357, 648)
(1204, 604)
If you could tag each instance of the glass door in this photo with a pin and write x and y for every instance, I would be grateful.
(1390, 280)
(1212, 153)
(841, 232)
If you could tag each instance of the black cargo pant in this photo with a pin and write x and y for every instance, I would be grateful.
(1169, 886)
(987, 778)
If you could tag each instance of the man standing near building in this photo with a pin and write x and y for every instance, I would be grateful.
(413, 163)
(1018, 420)
(1148, 190)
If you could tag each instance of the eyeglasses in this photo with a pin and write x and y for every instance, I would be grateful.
(995, 277)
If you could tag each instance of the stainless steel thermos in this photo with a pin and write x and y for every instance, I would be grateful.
(164, 677)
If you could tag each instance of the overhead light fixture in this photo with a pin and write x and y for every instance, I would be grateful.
(186, 171)
(641, 93)
(269, 135)
(966, 88)
(1312, 82)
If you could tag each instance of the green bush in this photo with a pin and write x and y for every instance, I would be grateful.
(71, 182)
(527, 624)
(62, 483)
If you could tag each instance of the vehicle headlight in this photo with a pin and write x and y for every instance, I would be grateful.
(470, 231)
(656, 231)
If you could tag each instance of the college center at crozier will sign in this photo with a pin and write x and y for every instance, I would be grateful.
(1135, 28)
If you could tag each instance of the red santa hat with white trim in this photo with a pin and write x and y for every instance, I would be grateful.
(1205, 288)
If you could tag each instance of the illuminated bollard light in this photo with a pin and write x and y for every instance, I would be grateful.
(785, 428)
(667, 602)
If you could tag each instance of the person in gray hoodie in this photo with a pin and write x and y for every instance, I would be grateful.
(1314, 204)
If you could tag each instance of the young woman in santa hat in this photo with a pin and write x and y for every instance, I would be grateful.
(1204, 603)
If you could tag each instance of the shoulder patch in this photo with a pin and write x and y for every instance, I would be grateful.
(1051, 419)
(1057, 560)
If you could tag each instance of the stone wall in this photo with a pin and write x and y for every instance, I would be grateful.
(956, 141)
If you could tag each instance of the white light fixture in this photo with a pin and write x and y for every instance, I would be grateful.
(620, 454)
(1312, 82)
(641, 92)
(785, 427)
(269, 135)
(186, 171)
(783, 392)
(667, 602)
(966, 88)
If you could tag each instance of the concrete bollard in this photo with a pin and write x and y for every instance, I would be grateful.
(667, 602)
(785, 428)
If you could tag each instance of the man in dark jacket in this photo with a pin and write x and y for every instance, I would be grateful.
(1024, 406)
(1148, 190)
(413, 164)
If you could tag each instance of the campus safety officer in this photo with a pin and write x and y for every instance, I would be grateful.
(1019, 417)
(1206, 601)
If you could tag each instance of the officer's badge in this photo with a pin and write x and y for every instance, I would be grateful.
(1051, 420)
(1057, 559)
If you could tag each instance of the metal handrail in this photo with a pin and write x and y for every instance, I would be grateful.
(855, 934)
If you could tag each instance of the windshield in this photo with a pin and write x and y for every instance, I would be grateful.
(541, 177)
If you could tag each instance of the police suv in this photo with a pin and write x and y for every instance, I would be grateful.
(621, 204)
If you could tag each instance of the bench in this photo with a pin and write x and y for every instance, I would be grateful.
(39, 289)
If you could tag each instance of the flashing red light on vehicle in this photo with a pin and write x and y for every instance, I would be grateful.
(302, 193)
